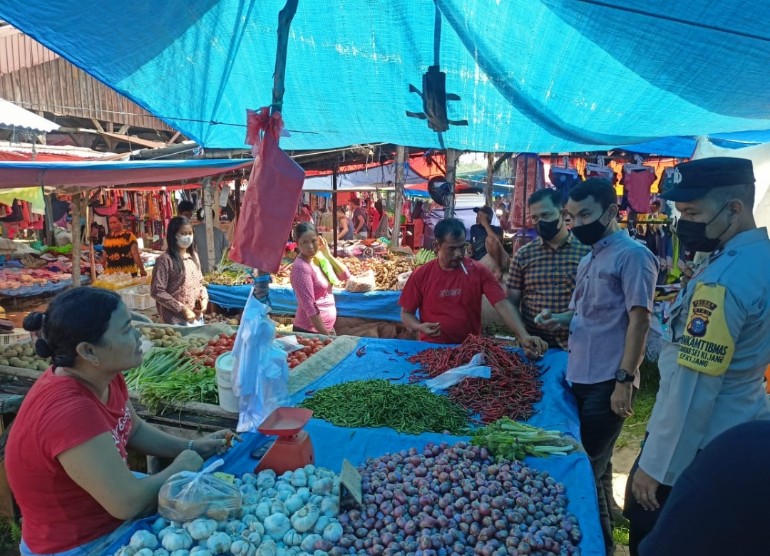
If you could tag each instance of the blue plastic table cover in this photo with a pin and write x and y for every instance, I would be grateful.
(557, 410)
(376, 305)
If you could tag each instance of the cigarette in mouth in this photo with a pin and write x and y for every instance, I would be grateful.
(465, 270)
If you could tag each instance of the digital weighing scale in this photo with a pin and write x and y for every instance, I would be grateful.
(293, 448)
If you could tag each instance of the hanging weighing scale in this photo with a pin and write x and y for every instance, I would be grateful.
(293, 448)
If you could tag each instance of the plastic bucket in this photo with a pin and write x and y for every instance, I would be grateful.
(224, 366)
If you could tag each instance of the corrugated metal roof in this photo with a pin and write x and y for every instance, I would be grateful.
(15, 117)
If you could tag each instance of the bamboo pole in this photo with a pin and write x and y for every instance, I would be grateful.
(401, 157)
(490, 185)
(77, 210)
(208, 218)
(451, 176)
(334, 207)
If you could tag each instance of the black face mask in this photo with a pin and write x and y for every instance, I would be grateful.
(548, 229)
(693, 234)
(588, 234)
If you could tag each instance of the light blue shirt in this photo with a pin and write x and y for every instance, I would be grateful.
(692, 407)
(616, 276)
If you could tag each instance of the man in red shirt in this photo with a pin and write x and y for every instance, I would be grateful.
(447, 293)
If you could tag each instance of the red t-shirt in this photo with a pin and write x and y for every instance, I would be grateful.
(60, 413)
(451, 298)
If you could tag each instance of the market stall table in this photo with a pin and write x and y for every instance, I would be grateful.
(557, 410)
(379, 305)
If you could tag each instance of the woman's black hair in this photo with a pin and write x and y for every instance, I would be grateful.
(75, 316)
(303, 228)
(174, 225)
(378, 206)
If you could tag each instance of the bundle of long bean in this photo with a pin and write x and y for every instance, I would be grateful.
(512, 390)
(507, 439)
(166, 376)
(378, 403)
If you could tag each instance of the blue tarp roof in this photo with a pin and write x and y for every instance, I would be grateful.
(533, 75)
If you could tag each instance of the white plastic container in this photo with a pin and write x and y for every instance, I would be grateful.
(224, 366)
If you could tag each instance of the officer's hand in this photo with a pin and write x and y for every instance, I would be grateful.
(687, 272)
(534, 347)
(546, 320)
(645, 490)
(430, 329)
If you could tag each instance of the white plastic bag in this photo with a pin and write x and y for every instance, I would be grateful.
(260, 369)
(474, 369)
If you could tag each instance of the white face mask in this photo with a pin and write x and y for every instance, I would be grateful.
(184, 241)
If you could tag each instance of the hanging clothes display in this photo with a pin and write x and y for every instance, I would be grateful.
(529, 177)
(637, 182)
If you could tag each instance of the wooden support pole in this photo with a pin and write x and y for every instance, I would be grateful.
(77, 213)
(208, 218)
(334, 206)
(451, 175)
(401, 158)
(284, 24)
(489, 187)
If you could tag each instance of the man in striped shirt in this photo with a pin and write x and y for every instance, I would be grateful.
(542, 273)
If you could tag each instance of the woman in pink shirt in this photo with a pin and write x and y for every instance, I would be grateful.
(313, 284)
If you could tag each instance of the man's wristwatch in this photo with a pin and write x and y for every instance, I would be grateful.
(623, 376)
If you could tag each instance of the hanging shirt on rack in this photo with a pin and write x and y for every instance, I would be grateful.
(637, 184)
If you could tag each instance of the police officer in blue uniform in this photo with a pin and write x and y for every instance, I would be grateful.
(716, 347)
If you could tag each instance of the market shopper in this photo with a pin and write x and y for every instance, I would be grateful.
(312, 279)
(447, 293)
(542, 273)
(344, 226)
(121, 250)
(486, 242)
(360, 219)
(177, 281)
(715, 349)
(67, 449)
(608, 320)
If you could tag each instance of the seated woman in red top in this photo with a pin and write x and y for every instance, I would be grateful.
(447, 293)
(66, 451)
(312, 280)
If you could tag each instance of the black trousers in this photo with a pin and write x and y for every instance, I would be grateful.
(641, 521)
(599, 430)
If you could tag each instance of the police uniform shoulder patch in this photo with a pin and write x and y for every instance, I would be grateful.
(707, 345)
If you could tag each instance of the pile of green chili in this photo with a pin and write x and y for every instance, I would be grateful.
(378, 403)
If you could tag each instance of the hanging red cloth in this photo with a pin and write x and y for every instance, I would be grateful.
(275, 187)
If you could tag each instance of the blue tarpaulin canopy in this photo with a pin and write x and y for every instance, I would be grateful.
(542, 76)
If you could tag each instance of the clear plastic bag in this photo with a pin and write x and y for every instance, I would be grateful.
(473, 369)
(187, 496)
(403, 278)
(362, 283)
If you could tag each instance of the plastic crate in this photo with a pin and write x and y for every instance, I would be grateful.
(137, 298)
(18, 336)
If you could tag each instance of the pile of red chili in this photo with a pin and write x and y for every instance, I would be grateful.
(512, 390)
